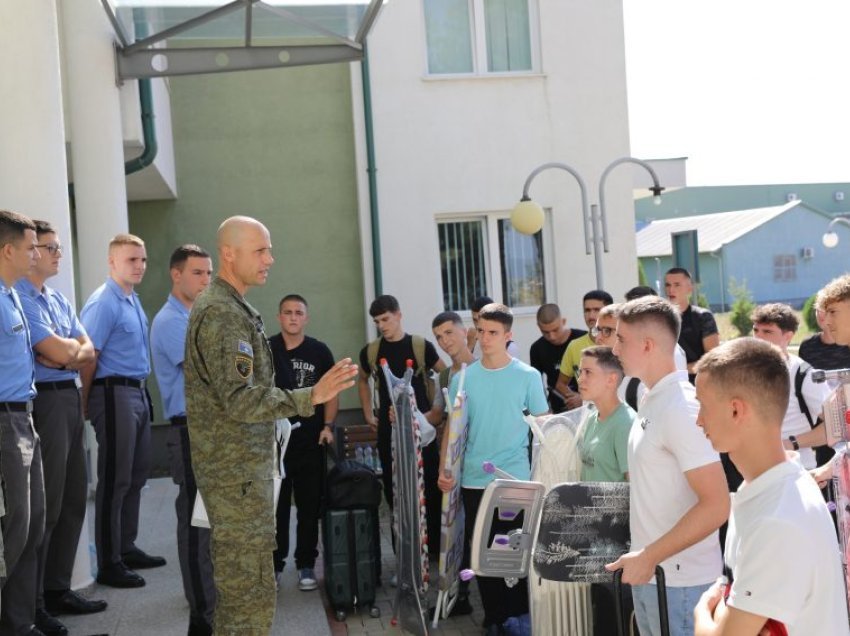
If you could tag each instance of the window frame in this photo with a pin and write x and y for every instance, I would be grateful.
(492, 261)
(781, 270)
(478, 41)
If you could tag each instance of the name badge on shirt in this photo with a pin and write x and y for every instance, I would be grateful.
(246, 348)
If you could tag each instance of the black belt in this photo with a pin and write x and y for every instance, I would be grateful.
(16, 407)
(118, 380)
(57, 386)
(178, 420)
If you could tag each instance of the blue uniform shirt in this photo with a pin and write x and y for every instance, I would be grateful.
(118, 328)
(17, 376)
(168, 345)
(49, 313)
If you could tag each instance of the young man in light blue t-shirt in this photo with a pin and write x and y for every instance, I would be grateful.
(498, 389)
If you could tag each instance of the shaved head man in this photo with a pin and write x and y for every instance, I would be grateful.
(232, 406)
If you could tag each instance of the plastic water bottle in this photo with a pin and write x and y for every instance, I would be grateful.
(369, 458)
(378, 467)
(358, 454)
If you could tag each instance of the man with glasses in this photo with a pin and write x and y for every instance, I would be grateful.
(592, 304)
(61, 347)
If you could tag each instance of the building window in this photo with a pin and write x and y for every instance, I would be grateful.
(480, 36)
(784, 268)
(485, 256)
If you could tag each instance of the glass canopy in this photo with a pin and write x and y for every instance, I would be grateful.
(179, 37)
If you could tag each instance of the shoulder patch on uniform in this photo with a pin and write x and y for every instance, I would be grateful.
(244, 366)
(245, 347)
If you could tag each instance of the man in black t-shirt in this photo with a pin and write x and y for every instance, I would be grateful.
(299, 361)
(699, 332)
(547, 351)
(397, 348)
(822, 352)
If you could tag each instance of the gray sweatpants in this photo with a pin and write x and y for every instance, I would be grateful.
(23, 524)
(58, 418)
(121, 420)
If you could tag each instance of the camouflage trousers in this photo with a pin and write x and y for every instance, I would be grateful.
(242, 540)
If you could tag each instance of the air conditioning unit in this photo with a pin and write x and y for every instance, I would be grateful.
(791, 196)
(807, 252)
(839, 195)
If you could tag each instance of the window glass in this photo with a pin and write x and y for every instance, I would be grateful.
(508, 36)
(448, 36)
(521, 261)
(462, 263)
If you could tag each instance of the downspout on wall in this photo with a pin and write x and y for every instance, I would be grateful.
(371, 170)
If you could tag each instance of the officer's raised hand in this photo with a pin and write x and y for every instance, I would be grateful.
(339, 378)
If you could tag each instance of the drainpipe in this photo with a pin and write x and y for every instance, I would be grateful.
(719, 256)
(371, 171)
(150, 146)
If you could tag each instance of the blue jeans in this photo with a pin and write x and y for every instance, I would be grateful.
(680, 608)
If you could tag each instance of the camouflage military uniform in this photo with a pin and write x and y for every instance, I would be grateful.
(231, 404)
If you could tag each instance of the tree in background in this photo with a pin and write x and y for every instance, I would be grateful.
(742, 307)
(809, 314)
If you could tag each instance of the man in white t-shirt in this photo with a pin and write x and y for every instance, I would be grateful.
(776, 323)
(781, 547)
(631, 390)
(679, 496)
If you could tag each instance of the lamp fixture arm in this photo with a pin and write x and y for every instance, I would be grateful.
(582, 188)
(656, 189)
(836, 221)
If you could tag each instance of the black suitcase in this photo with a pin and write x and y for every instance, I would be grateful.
(350, 538)
(661, 584)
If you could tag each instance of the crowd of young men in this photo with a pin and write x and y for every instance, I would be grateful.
(754, 403)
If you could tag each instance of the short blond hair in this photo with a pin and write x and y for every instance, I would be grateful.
(750, 369)
(834, 291)
(125, 239)
(609, 310)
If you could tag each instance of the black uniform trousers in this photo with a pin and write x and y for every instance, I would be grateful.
(23, 523)
(193, 543)
(58, 418)
(304, 480)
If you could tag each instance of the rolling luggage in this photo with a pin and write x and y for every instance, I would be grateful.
(350, 537)
(624, 622)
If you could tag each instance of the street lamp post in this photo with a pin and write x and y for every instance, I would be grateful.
(830, 237)
(527, 217)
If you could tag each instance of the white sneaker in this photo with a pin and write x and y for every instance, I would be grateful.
(307, 580)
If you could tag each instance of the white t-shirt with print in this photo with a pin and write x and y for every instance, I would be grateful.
(665, 442)
(784, 556)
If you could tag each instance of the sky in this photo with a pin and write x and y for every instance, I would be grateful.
(751, 91)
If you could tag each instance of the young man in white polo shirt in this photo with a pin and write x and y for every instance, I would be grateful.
(781, 546)
(679, 496)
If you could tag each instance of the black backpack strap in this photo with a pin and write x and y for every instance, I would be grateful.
(632, 393)
(802, 370)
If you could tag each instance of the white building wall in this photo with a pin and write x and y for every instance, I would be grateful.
(461, 145)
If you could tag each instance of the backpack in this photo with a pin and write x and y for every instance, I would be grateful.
(802, 370)
(351, 484)
(418, 343)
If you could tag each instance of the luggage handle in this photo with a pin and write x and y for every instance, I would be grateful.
(661, 585)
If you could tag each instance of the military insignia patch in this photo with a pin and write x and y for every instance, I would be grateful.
(245, 347)
(244, 366)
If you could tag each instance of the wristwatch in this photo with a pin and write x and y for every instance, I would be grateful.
(330, 425)
(794, 443)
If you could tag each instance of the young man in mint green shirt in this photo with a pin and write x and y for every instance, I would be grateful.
(603, 447)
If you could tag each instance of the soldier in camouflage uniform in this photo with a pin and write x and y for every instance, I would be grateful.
(231, 403)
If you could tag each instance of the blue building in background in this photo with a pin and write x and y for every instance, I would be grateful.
(776, 251)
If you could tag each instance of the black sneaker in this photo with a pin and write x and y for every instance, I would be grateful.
(119, 575)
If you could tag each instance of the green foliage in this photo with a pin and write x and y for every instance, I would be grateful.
(809, 314)
(642, 280)
(702, 300)
(742, 307)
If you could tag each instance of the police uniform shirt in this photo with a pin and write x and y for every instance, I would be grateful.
(118, 329)
(49, 313)
(17, 379)
(168, 344)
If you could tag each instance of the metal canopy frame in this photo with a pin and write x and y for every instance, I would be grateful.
(143, 59)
